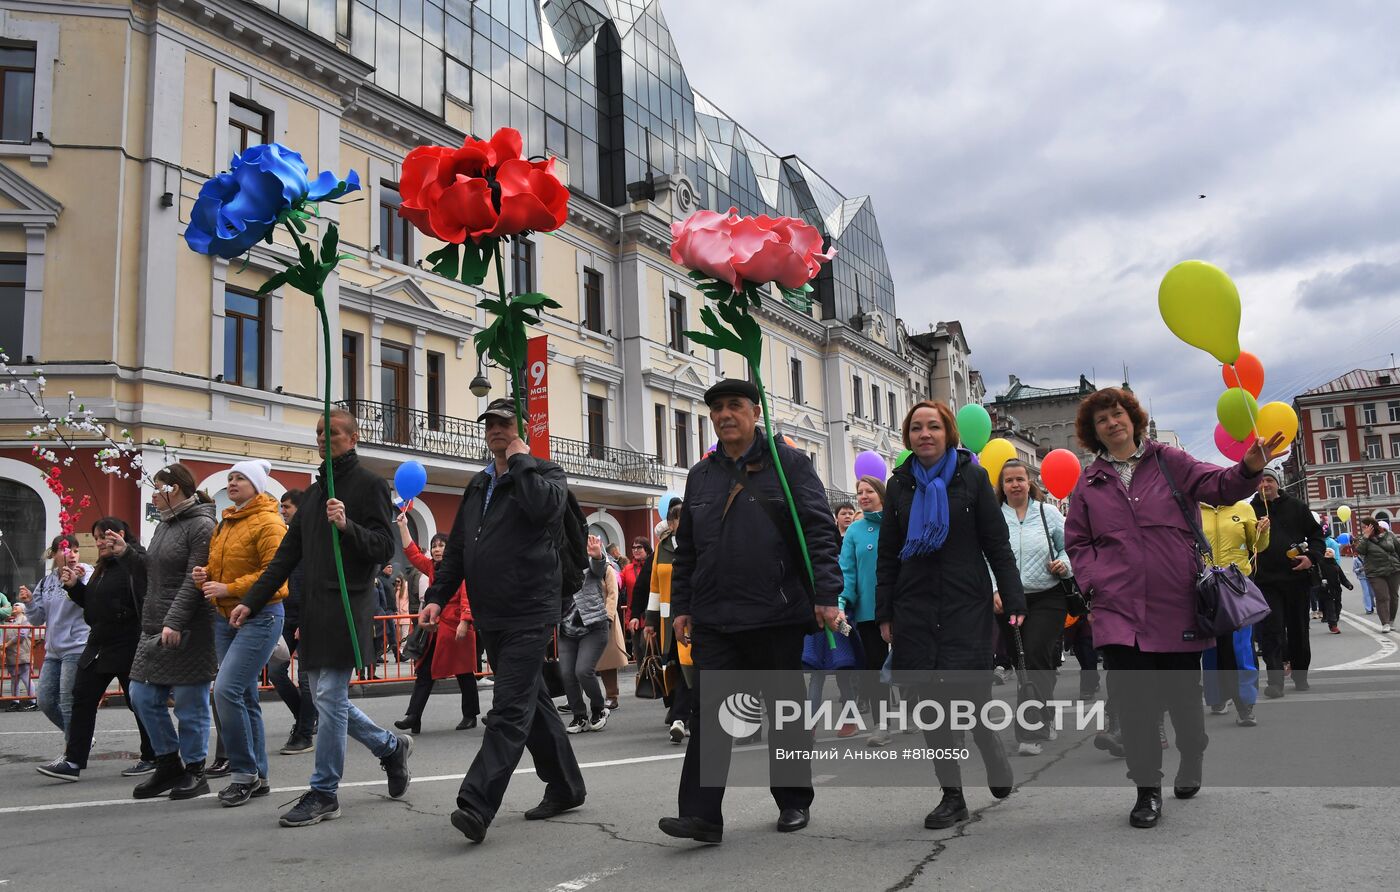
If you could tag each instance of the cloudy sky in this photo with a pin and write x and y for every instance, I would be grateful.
(1036, 169)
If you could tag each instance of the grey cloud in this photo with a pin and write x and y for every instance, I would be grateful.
(1361, 281)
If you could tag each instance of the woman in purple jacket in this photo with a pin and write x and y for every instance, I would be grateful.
(1132, 548)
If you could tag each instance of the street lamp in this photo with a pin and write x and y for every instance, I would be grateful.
(479, 386)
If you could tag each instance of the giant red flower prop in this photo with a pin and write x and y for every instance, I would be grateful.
(481, 190)
(753, 250)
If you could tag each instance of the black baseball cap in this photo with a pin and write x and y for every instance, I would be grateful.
(732, 387)
(499, 408)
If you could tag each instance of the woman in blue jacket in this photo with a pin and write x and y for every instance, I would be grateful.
(859, 553)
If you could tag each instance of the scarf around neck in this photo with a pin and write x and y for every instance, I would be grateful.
(928, 516)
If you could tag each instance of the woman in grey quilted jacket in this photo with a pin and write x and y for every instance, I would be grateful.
(175, 656)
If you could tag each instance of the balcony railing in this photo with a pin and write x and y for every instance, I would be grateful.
(386, 424)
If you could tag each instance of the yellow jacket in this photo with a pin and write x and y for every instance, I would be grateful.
(1232, 533)
(243, 545)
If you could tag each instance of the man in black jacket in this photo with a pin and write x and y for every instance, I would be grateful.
(505, 544)
(1285, 575)
(362, 512)
(740, 594)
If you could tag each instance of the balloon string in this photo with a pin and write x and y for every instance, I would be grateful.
(1254, 422)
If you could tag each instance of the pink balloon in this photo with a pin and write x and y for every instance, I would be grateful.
(1229, 447)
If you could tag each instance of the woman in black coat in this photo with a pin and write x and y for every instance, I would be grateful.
(933, 595)
(111, 600)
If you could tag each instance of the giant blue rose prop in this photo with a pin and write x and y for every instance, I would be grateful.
(266, 187)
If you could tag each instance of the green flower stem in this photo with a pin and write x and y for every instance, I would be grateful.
(320, 300)
(787, 490)
(511, 340)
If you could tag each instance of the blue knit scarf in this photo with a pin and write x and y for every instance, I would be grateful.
(928, 517)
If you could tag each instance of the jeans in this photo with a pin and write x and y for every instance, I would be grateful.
(297, 696)
(337, 720)
(56, 678)
(1368, 598)
(242, 654)
(191, 708)
(578, 663)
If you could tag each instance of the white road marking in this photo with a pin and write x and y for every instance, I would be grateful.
(584, 881)
(1371, 630)
(98, 803)
(56, 731)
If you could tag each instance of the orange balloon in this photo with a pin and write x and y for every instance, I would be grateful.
(790, 441)
(1247, 372)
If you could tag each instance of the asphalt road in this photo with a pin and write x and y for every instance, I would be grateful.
(1065, 826)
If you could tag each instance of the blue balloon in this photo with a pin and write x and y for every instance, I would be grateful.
(666, 501)
(410, 479)
(1344, 539)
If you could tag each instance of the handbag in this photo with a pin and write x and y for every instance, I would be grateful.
(1226, 599)
(817, 652)
(417, 642)
(1075, 603)
(651, 677)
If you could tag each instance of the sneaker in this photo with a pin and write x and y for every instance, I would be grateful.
(1000, 674)
(140, 769)
(261, 788)
(1386, 628)
(847, 730)
(598, 721)
(1246, 717)
(296, 745)
(59, 769)
(220, 768)
(1030, 748)
(1220, 708)
(312, 808)
(1333, 629)
(611, 703)
(396, 766)
(879, 738)
(677, 731)
(237, 793)
(565, 707)
(577, 725)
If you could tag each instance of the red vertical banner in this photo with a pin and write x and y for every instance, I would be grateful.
(537, 394)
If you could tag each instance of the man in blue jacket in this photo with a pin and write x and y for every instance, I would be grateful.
(740, 595)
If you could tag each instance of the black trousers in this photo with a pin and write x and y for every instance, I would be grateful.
(1142, 687)
(873, 691)
(1284, 632)
(423, 687)
(297, 697)
(1040, 636)
(89, 685)
(522, 717)
(988, 742)
(774, 648)
(1331, 597)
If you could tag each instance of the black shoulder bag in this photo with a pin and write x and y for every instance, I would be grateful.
(1075, 602)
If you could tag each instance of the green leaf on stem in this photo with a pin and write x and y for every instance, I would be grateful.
(445, 261)
(476, 261)
(330, 244)
(275, 282)
(535, 299)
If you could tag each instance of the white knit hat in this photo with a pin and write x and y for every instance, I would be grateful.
(256, 470)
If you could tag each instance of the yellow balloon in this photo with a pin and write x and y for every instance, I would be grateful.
(1201, 306)
(995, 454)
(1275, 418)
(1344, 514)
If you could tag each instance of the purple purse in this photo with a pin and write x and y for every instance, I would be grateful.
(1226, 599)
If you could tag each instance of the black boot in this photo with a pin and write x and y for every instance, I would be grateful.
(1111, 740)
(168, 773)
(950, 811)
(1148, 811)
(1188, 777)
(192, 784)
(1300, 680)
(413, 724)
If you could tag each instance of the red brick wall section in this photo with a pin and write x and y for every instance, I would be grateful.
(111, 495)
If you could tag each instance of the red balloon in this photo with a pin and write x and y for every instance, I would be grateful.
(1229, 447)
(1059, 471)
(1247, 372)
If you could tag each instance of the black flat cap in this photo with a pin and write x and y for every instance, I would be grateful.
(499, 408)
(732, 387)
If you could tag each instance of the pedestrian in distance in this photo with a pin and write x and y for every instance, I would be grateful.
(1380, 564)
(508, 546)
(1231, 672)
(660, 629)
(1129, 534)
(451, 649)
(362, 515)
(1333, 581)
(584, 634)
(65, 630)
(742, 600)
(175, 658)
(859, 557)
(1285, 572)
(845, 516)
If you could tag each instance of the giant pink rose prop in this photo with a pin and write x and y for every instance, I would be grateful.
(743, 251)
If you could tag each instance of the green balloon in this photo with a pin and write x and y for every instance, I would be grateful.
(1237, 412)
(899, 459)
(974, 426)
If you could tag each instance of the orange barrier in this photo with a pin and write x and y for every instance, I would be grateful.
(9, 635)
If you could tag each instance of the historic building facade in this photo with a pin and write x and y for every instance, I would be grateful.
(1349, 445)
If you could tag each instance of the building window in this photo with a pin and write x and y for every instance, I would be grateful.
(522, 265)
(16, 93)
(593, 300)
(435, 394)
(395, 233)
(342, 19)
(247, 125)
(1368, 413)
(875, 403)
(682, 439)
(858, 392)
(795, 372)
(12, 267)
(1335, 490)
(556, 141)
(1378, 484)
(393, 391)
(660, 433)
(597, 427)
(243, 338)
(1397, 482)
(894, 409)
(1331, 452)
(1329, 418)
(675, 316)
(350, 365)
(1373, 448)
(1393, 410)
(1395, 445)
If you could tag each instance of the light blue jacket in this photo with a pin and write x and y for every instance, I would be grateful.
(50, 606)
(859, 551)
(1033, 552)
